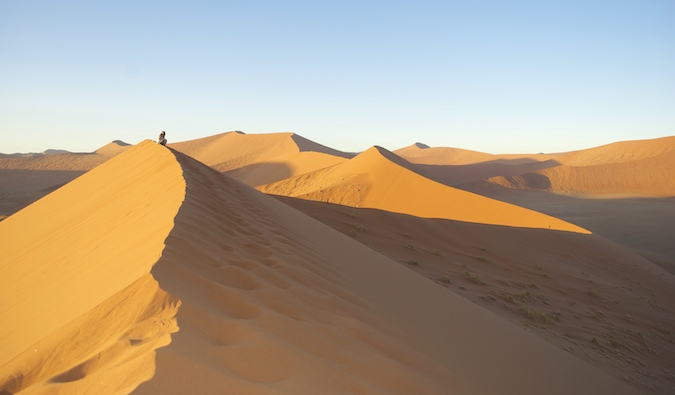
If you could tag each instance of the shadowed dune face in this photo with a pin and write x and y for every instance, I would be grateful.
(27, 178)
(275, 302)
(456, 175)
(71, 259)
(272, 301)
(380, 179)
(261, 158)
(622, 191)
(642, 177)
(645, 225)
(619, 152)
(642, 168)
(445, 156)
(581, 293)
(265, 311)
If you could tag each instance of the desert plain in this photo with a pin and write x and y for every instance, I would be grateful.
(271, 264)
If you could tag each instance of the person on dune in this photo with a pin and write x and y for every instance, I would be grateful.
(162, 139)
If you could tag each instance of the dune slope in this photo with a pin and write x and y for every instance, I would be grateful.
(636, 168)
(274, 302)
(380, 179)
(565, 287)
(259, 159)
(443, 156)
(267, 299)
(77, 297)
(26, 178)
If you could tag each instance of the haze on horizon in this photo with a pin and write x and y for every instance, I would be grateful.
(492, 77)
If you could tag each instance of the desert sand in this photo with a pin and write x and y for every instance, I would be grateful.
(26, 178)
(629, 183)
(156, 273)
(258, 159)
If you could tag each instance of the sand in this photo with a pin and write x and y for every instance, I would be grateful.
(258, 159)
(27, 178)
(255, 296)
(155, 273)
(379, 179)
(66, 257)
(582, 293)
(623, 191)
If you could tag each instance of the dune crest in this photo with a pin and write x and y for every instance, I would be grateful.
(27, 178)
(619, 152)
(648, 176)
(271, 301)
(258, 159)
(66, 256)
(380, 179)
(275, 302)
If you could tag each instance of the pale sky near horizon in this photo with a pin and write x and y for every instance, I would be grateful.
(491, 76)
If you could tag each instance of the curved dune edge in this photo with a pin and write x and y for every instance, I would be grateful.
(274, 302)
(233, 150)
(75, 265)
(258, 159)
(382, 180)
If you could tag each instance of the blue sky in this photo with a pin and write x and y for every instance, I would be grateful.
(492, 76)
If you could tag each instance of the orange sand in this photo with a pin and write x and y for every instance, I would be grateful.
(379, 179)
(259, 159)
(267, 300)
(26, 178)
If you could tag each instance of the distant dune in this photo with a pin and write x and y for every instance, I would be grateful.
(425, 155)
(264, 300)
(155, 273)
(566, 287)
(635, 168)
(259, 159)
(26, 178)
(380, 179)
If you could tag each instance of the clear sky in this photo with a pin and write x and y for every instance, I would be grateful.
(492, 76)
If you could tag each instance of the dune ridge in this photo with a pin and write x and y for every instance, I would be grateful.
(619, 152)
(276, 302)
(269, 300)
(626, 168)
(27, 178)
(380, 179)
(643, 177)
(258, 159)
(70, 259)
(444, 156)
(566, 287)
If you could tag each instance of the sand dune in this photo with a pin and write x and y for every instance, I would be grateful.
(26, 178)
(77, 296)
(619, 152)
(422, 154)
(267, 299)
(628, 168)
(259, 159)
(380, 179)
(610, 190)
(565, 287)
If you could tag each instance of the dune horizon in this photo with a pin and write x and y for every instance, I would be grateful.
(162, 270)
(266, 299)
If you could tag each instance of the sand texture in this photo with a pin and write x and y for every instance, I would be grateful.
(258, 159)
(420, 271)
(380, 179)
(581, 293)
(71, 264)
(154, 273)
(26, 178)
